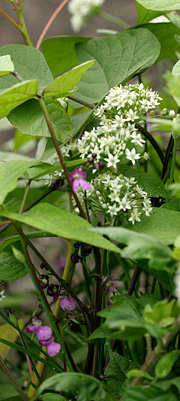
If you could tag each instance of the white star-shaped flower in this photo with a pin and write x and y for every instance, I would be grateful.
(112, 160)
(132, 155)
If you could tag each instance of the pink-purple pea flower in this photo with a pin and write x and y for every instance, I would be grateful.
(53, 349)
(67, 303)
(77, 177)
(44, 333)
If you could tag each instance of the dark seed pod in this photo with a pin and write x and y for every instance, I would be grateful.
(100, 166)
(94, 155)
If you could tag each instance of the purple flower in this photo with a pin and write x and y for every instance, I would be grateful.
(76, 177)
(47, 342)
(67, 303)
(36, 323)
(53, 349)
(44, 333)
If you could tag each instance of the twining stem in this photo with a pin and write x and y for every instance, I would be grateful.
(134, 278)
(12, 379)
(150, 138)
(167, 156)
(172, 168)
(114, 20)
(49, 23)
(61, 158)
(11, 20)
(77, 100)
(25, 196)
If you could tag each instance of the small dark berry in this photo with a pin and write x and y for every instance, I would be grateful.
(77, 245)
(94, 155)
(75, 258)
(87, 250)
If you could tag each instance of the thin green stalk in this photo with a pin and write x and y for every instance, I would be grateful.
(153, 142)
(30, 359)
(11, 20)
(172, 168)
(77, 100)
(25, 196)
(12, 379)
(24, 32)
(61, 158)
(114, 20)
(49, 23)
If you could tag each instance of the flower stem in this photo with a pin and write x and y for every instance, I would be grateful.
(49, 23)
(11, 20)
(151, 140)
(172, 168)
(61, 158)
(114, 20)
(12, 379)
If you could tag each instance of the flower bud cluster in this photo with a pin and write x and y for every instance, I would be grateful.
(44, 335)
(118, 197)
(81, 11)
(116, 137)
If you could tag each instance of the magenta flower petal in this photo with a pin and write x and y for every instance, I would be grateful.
(75, 185)
(76, 174)
(47, 342)
(84, 184)
(53, 349)
(67, 303)
(44, 333)
(31, 328)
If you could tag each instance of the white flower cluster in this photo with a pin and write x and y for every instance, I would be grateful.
(116, 134)
(2, 296)
(81, 11)
(117, 196)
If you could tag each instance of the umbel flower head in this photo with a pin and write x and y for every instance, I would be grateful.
(81, 11)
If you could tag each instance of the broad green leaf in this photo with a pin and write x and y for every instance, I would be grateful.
(139, 373)
(10, 171)
(163, 224)
(9, 333)
(29, 63)
(46, 168)
(66, 82)
(117, 58)
(29, 119)
(140, 246)
(165, 33)
(165, 364)
(116, 371)
(9, 156)
(61, 223)
(52, 397)
(14, 96)
(79, 121)
(60, 54)
(159, 5)
(145, 15)
(166, 384)
(166, 279)
(6, 65)
(10, 268)
(152, 185)
(139, 393)
(87, 388)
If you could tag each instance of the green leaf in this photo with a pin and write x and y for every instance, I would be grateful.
(66, 82)
(29, 63)
(152, 185)
(10, 171)
(10, 268)
(14, 96)
(139, 246)
(163, 224)
(117, 58)
(139, 373)
(60, 52)
(29, 119)
(173, 82)
(165, 364)
(116, 373)
(159, 5)
(61, 223)
(52, 397)
(166, 279)
(145, 15)
(6, 65)
(165, 33)
(76, 383)
(139, 393)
